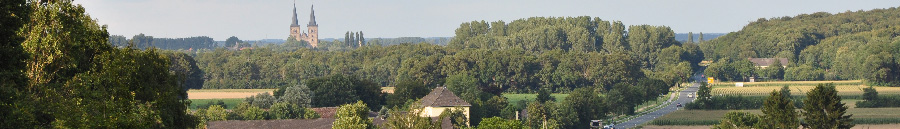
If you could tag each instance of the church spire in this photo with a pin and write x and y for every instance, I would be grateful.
(294, 21)
(312, 17)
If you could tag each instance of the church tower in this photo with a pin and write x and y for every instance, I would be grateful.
(313, 28)
(312, 35)
(295, 28)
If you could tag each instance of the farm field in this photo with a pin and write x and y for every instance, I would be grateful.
(224, 93)
(789, 83)
(710, 117)
(843, 90)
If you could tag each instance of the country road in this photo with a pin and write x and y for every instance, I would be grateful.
(682, 98)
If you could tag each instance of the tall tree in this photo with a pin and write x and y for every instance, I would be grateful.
(232, 41)
(701, 37)
(779, 112)
(823, 109)
(690, 37)
(14, 105)
(580, 107)
(353, 116)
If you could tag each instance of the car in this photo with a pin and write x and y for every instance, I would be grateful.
(678, 105)
(690, 95)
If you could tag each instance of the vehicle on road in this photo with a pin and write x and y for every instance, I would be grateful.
(678, 105)
(690, 95)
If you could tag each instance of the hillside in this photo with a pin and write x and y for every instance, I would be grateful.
(849, 45)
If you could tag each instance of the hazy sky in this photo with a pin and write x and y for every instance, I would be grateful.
(270, 19)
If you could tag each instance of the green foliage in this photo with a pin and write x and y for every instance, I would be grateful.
(285, 110)
(14, 107)
(185, 67)
(353, 116)
(848, 45)
(579, 108)
(407, 90)
(540, 116)
(823, 109)
(298, 94)
(726, 69)
(870, 93)
(142, 41)
(338, 89)
(738, 120)
(410, 119)
(232, 41)
(727, 102)
(499, 123)
(544, 96)
(779, 112)
(261, 100)
(216, 113)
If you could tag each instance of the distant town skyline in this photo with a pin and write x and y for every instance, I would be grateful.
(253, 20)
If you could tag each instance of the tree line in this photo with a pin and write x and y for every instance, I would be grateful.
(142, 41)
(821, 46)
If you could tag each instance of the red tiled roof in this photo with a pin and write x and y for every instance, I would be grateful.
(325, 112)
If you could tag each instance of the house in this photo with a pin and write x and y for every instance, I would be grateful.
(441, 99)
(762, 63)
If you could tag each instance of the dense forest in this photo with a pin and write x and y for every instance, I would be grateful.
(589, 53)
(821, 46)
(142, 41)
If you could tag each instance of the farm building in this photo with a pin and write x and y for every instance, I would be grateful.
(762, 63)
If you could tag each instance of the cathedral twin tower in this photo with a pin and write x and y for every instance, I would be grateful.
(312, 34)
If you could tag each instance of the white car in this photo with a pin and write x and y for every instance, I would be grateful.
(690, 95)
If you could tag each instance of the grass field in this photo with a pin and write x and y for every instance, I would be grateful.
(230, 102)
(710, 117)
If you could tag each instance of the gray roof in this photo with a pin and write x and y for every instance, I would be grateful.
(767, 61)
(442, 97)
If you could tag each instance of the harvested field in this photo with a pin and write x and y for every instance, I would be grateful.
(225, 93)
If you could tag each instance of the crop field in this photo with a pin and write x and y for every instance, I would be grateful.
(858, 126)
(225, 93)
(711, 117)
(843, 90)
(789, 83)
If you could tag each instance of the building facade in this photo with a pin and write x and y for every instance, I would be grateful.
(311, 36)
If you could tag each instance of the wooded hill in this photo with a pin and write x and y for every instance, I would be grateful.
(821, 46)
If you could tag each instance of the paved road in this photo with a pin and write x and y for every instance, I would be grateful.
(682, 98)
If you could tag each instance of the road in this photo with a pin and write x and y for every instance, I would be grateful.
(682, 98)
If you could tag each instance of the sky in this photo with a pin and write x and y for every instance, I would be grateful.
(270, 19)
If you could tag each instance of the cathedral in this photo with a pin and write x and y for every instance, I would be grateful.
(312, 34)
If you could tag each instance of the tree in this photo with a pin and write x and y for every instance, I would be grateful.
(407, 90)
(499, 123)
(13, 104)
(544, 96)
(332, 90)
(779, 112)
(353, 116)
(297, 94)
(786, 92)
(738, 120)
(232, 41)
(580, 107)
(701, 37)
(185, 67)
(409, 119)
(690, 37)
(261, 100)
(823, 109)
(285, 110)
(216, 113)
(870, 94)
(776, 70)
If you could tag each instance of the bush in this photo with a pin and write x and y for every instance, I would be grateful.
(727, 102)
(880, 101)
(261, 100)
